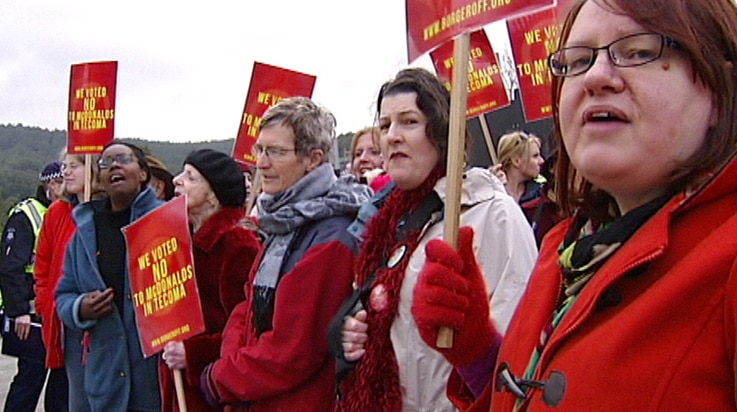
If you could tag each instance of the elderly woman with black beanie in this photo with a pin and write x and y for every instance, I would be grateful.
(223, 253)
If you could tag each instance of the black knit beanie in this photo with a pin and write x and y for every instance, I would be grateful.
(223, 174)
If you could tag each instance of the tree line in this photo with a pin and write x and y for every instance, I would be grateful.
(24, 150)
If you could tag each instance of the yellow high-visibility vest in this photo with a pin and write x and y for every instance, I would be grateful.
(35, 212)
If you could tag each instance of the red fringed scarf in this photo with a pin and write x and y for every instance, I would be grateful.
(374, 384)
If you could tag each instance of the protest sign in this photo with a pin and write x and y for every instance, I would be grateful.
(431, 23)
(91, 115)
(485, 88)
(162, 277)
(533, 38)
(269, 85)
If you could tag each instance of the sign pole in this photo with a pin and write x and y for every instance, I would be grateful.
(179, 387)
(489, 141)
(456, 140)
(87, 177)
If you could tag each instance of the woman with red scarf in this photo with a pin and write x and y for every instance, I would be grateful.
(394, 370)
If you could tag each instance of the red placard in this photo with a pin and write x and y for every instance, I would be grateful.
(431, 23)
(91, 117)
(533, 38)
(486, 90)
(269, 85)
(162, 277)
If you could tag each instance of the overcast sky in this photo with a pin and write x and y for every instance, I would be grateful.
(184, 70)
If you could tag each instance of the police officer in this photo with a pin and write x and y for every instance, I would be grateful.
(17, 262)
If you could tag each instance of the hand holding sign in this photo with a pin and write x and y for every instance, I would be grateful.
(174, 355)
(162, 279)
(452, 291)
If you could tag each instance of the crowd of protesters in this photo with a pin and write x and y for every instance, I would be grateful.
(609, 286)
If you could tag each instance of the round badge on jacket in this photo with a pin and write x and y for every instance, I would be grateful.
(396, 256)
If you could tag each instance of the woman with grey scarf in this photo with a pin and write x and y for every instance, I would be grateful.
(274, 354)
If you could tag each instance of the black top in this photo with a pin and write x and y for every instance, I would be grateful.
(111, 247)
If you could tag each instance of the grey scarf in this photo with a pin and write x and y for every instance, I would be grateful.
(316, 196)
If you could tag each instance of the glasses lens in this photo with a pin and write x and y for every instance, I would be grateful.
(636, 50)
(571, 61)
(276, 152)
(256, 150)
(121, 159)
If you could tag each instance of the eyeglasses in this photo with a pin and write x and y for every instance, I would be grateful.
(272, 152)
(629, 51)
(121, 159)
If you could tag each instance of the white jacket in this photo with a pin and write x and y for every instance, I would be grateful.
(505, 247)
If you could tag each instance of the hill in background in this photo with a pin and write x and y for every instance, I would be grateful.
(24, 150)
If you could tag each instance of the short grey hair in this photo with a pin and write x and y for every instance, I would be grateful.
(312, 124)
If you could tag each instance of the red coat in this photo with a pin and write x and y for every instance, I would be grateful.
(223, 254)
(56, 232)
(655, 328)
(289, 367)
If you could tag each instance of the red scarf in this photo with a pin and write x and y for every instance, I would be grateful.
(374, 384)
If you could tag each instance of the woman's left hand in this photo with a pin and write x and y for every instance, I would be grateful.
(174, 355)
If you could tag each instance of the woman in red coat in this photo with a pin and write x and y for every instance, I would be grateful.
(56, 232)
(632, 305)
(223, 253)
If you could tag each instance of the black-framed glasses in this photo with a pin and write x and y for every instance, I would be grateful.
(272, 152)
(121, 159)
(629, 51)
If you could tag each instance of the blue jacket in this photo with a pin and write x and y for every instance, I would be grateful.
(115, 376)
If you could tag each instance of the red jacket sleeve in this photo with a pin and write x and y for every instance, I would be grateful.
(242, 248)
(44, 253)
(296, 348)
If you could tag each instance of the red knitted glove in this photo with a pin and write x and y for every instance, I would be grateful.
(451, 292)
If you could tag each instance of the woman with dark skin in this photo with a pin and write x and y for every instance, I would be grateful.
(102, 352)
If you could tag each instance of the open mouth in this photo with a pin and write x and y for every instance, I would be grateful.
(604, 116)
(116, 178)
